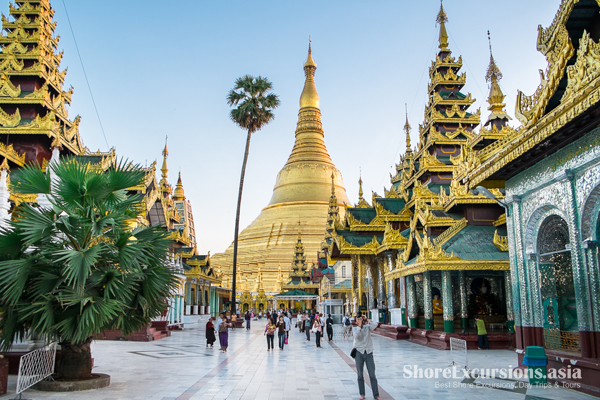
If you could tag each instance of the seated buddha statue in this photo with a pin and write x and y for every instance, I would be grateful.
(484, 301)
(437, 304)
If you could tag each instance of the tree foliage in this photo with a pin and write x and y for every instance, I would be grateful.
(70, 271)
(254, 103)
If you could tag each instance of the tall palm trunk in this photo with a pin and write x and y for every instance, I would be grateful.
(237, 224)
(75, 361)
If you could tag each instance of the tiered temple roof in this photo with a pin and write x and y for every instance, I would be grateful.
(428, 217)
(34, 105)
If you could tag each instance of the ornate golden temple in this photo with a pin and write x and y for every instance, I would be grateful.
(301, 192)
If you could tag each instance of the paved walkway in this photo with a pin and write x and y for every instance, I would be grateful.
(180, 368)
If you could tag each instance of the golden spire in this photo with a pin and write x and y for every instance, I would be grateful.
(442, 18)
(496, 97)
(296, 182)
(362, 203)
(407, 129)
(164, 169)
(179, 194)
(309, 97)
(332, 185)
(360, 190)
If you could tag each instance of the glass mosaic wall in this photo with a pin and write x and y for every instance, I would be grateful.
(557, 287)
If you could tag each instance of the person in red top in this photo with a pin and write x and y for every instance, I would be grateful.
(210, 333)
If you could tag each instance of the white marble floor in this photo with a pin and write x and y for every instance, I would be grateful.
(181, 368)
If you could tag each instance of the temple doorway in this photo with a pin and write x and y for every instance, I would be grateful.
(559, 303)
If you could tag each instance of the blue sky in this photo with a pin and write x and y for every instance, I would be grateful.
(161, 68)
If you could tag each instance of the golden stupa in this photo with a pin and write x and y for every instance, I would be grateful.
(301, 192)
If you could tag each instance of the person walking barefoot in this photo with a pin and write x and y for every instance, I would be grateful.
(270, 333)
(210, 333)
(364, 355)
(281, 332)
(224, 335)
(307, 327)
(329, 325)
(318, 330)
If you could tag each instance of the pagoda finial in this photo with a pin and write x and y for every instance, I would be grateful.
(360, 189)
(493, 72)
(407, 129)
(332, 185)
(498, 116)
(441, 19)
(164, 168)
(179, 193)
(309, 97)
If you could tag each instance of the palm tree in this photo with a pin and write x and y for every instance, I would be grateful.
(72, 270)
(255, 104)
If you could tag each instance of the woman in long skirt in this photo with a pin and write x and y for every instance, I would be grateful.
(210, 333)
(224, 335)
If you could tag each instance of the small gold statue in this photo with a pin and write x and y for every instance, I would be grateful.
(437, 304)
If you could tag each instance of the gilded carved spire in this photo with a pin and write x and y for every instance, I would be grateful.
(309, 97)
(299, 262)
(362, 203)
(332, 214)
(179, 193)
(407, 129)
(498, 116)
(442, 18)
(164, 170)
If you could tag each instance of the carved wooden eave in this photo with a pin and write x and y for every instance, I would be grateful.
(556, 45)
(348, 248)
(384, 215)
(448, 62)
(446, 265)
(577, 102)
(500, 221)
(11, 155)
(439, 100)
(501, 242)
(460, 194)
(376, 224)
(449, 233)
(447, 79)
(392, 240)
(491, 134)
(427, 218)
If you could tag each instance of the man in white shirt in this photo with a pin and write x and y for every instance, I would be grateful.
(364, 354)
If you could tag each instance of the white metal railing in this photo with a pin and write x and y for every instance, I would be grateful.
(36, 366)
(458, 351)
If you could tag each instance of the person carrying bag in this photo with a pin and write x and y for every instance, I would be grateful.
(363, 349)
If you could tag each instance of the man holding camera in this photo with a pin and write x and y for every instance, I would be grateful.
(364, 354)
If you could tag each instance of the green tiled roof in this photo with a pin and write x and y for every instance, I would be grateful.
(357, 239)
(447, 95)
(475, 243)
(392, 205)
(295, 292)
(364, 215)
(443, 214)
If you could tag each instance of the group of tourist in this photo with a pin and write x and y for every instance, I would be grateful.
(279, 322)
